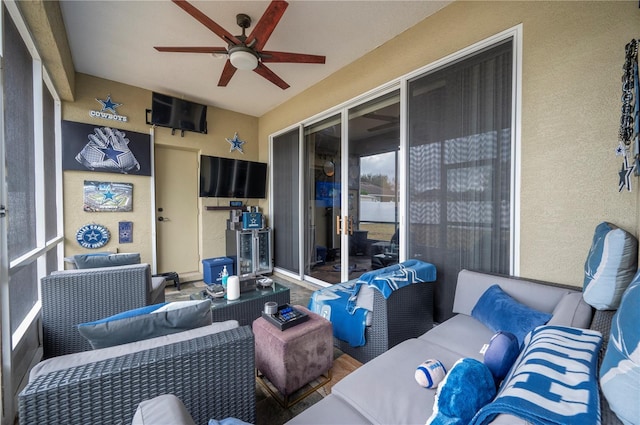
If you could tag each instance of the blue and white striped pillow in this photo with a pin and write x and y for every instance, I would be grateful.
(620, 369)
(610, 266)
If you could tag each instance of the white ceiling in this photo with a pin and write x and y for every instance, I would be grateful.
(114, 40)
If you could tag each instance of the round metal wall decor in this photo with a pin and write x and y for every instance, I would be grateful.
(93, 236)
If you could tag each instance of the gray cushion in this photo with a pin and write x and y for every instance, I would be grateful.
(572, 311)
(164, 409)
(91, 261)
(461, 334)
(330, 410)
(147, 322)
(471, 285)
(384, 390)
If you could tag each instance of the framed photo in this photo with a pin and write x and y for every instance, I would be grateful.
(107, 196)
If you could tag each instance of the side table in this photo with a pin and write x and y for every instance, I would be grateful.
(292, 358)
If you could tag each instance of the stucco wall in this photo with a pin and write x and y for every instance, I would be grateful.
(572, 58)
(221, 124)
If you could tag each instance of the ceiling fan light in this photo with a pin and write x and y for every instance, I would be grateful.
(243, 59)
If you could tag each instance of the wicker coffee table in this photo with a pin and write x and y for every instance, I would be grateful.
(249, 306)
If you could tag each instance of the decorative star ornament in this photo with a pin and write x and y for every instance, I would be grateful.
(108, 104)
(236, 143)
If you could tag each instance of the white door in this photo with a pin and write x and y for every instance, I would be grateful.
(177, 212)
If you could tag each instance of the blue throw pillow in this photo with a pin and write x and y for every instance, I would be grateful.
(91, 261)
(502, 352)
(147, 322)
(466, 388)
(620, 369)
(499, 312)
(610, 266)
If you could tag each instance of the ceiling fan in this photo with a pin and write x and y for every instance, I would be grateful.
(246, 52)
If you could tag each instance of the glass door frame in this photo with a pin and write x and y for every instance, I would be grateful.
(345, 237)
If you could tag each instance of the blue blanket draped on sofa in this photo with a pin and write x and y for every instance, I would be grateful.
(554, 380)
(338, 303)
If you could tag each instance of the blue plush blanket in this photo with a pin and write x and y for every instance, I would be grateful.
(553, 382)
(338, 303)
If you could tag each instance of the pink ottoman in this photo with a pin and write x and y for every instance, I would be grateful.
(292, 358)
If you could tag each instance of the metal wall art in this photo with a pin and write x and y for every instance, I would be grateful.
(236, 143)
(93, 236)
(629, 120)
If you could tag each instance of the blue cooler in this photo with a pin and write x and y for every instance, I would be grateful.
(252, 220)
(212, 268)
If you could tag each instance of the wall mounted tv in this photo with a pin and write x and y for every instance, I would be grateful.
(177, 114)
(232, 178)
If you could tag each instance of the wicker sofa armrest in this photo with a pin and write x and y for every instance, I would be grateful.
(76, 296)
(213, 375)
(407, 313)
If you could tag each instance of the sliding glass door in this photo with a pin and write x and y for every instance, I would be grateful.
(352, 190)
(285, 205)
(433, 181)
(372, 184)
(323, 201)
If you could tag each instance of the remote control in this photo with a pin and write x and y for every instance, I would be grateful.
(287, 314)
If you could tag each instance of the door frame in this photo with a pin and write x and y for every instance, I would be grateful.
(152, 194)
(154, 212)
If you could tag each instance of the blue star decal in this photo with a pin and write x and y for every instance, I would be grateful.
(108, 195)
(109, 105)
(236, 143)
(112, 153)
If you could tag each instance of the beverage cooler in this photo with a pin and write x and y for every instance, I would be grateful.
(251, 251)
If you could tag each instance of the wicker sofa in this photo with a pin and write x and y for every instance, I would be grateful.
(211, 369)
(71, 297)
(384, 391)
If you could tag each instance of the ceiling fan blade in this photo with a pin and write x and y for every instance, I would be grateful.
(206, 21)
(270, 56)
(271, 76)
(267, 23)
(227, 73)
(194, 49)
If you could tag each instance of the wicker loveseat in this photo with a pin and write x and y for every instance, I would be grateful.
(71, 297)
(211, 369)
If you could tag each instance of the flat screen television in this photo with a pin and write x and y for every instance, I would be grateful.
(178, 114)
(232, 178)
